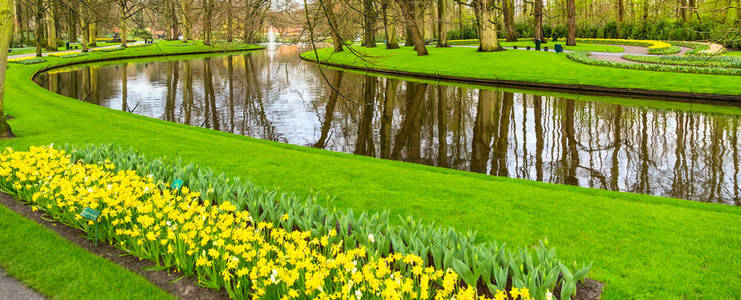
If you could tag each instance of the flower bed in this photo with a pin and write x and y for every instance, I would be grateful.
(583, 57)
(651, 44)
(696, 61)
(67, 54)
(27, 60)
(664, 51)
(230, 234)
(108, 49)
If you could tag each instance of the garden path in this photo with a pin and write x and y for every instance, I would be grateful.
(11, 289)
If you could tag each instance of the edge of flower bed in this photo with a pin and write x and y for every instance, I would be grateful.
(584, 89)
(584, 58)
(169, 281)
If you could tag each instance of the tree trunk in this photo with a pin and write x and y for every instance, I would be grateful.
(84, 26)
(92, 34)
(329, 8)
(174, 22)
(51, 31)
(392, 42)
(460, 20)
(19, 23)
(122, 26)
(442, 16)
(620, 14)
(509, 20)
(485, 13)
(186, 20)
(39, 15)
(229, 21)
(682, 9)
(538, 13)
(571, 22)
(6, 26)
(207, 23)
(369, 24)
(72, 25)
(407, 9)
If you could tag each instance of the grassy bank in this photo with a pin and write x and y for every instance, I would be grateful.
(530, 66)
(641, 246)
(59, 269)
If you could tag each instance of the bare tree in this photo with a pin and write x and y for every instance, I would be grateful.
(407, 10)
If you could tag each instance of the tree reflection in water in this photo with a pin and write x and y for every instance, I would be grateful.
(273, 95)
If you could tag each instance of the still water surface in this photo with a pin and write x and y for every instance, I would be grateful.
(273, 95)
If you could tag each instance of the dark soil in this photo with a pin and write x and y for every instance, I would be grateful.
(588, 290)
(185, 288)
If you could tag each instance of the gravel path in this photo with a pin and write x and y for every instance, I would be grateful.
(12, 289)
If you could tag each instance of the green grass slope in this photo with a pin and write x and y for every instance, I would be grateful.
(641, 246)
(59, 269)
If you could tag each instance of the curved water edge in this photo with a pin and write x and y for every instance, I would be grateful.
(559, 138)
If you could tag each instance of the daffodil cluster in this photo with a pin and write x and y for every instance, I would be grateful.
(651, 44)
(221, 246)
(22, 58)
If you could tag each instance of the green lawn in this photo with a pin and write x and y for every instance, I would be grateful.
(531, 66)
(641, 246)
(59, 269)
(550, 45)
(733, 53)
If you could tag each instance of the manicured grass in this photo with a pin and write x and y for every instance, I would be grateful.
(531, 66)
(524, 43)
(59, 269)
(733, 53)
(641, 246)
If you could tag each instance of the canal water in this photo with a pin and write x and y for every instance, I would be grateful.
(652, 147)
